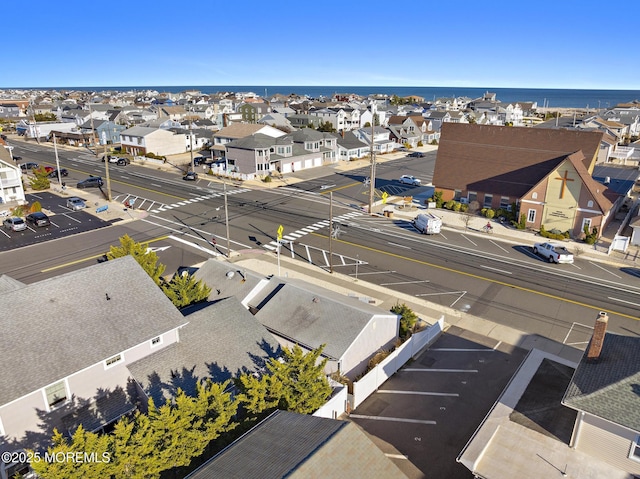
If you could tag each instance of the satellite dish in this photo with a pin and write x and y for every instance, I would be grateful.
(230, 274)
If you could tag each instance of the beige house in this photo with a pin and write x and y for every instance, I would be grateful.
(140, 140)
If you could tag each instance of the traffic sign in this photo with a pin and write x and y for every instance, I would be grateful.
(385, 195)
(280, 231)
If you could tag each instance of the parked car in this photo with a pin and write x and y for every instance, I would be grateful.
(91, 182)
(199, 160)
(428, 224)
(15, 224)
(54, 173)
(553, 252)
(409, 180)
(75, 203)
(28, 166)
(38, 218)
(16, 158)
(190, 176)
(417, 154)
(46, 168)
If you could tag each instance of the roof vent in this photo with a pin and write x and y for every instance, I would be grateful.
(607, 180)
(315, 300)
(230, 274)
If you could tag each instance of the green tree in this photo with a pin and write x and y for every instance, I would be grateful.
(295, 382)
(135, 453)
(141, 253)
(184, 289)
(86, 455)
(327, 126)
(408, 318)
(40, 179)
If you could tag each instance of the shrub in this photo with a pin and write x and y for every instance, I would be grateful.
(267, 179)
(483, 211)
(434, 142)
(437, 197)
(420, 143)
(489, 213)
(464, 207)
(408, 318)
(522, 224)
(590, 238)
(449, 204)
(456, 206)
(36, 206)
(18, 211)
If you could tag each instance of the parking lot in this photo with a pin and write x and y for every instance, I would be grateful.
(423, 415)
(64, 222)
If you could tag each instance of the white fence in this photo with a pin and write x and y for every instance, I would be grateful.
(335, 406)
(370, 382)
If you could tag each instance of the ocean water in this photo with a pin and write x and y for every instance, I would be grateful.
(559, 98)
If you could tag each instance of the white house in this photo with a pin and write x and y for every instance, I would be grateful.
(11, 189)
(140, 140)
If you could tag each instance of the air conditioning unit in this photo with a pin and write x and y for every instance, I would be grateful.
(509, 208)
(464, 201)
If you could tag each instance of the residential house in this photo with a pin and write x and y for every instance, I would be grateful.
(300, 313)
(43, 129)
(546, 173)
(220, 341)
(437, 118)
(276, 120)
(350, 147)
(305, 446)
(107, 132)
(304, 120)
(175, 112)
(296, 312)
(381, 141)
(140, 140)
(11, 188)
(604, 392)
(260, 154)
(252, 112)
(235, 131)
(627, 115)
(9, 110)
(341, 118)
(78, 373)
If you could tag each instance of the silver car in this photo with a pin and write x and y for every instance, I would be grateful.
(15, 224)
(75, 203)
(409, 180)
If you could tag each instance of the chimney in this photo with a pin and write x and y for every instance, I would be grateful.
(599, 332)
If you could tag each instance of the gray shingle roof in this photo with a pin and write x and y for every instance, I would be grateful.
(74, 324)
(313, 316)
(609, 388)
(220, 341)
(227, 280)
(293, 445)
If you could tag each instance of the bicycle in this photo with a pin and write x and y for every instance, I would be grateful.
(487, 229)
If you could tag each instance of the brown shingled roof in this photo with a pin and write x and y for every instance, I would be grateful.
(506, 160)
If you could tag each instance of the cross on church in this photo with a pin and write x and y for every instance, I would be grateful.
(564, 180)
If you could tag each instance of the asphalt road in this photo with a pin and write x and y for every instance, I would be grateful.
(501, 282)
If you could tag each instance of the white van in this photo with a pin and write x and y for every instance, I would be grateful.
(428, 224)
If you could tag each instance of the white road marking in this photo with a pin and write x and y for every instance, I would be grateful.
(399, 245)
(406, 282)
(156, 185)
(418, 393)
(464, 350)
(474, 244)
(376, 272)
(604, 269)
(623, 301)
(391, 419)
(71, 218)
(496, 244)
(427, 370)
(495, 269)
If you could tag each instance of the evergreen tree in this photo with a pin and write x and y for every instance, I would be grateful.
(140, 252)
(183, 290)
(296, 382)
(40, 179)
(408, 318)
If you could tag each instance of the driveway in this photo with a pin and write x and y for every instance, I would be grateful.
(423, 415)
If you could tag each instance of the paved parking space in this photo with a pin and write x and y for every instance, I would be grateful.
(64, 222)
(423, 416)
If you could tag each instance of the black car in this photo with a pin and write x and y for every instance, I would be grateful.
(28, 166)
(54, 173)
(91, 182)
(417, 154)
(17, 158)
(38, 218)
(190, 176)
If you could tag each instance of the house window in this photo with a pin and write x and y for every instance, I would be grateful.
(534, 195)
(473, 196)
(56, 394)
(635, 449)
(457, 194)
(488, 200)
(589, 204)
(504, 202)
(531, 216)
(586, 223)
(157, 341)
(112, 361)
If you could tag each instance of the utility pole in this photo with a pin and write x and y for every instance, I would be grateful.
(372, 175)
(226, 219)
(106, 160)
(331, 232)
(191, 141)
(55, 149)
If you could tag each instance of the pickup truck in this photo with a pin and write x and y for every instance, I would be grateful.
(554, 253)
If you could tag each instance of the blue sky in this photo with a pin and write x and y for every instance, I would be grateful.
(493, 43)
